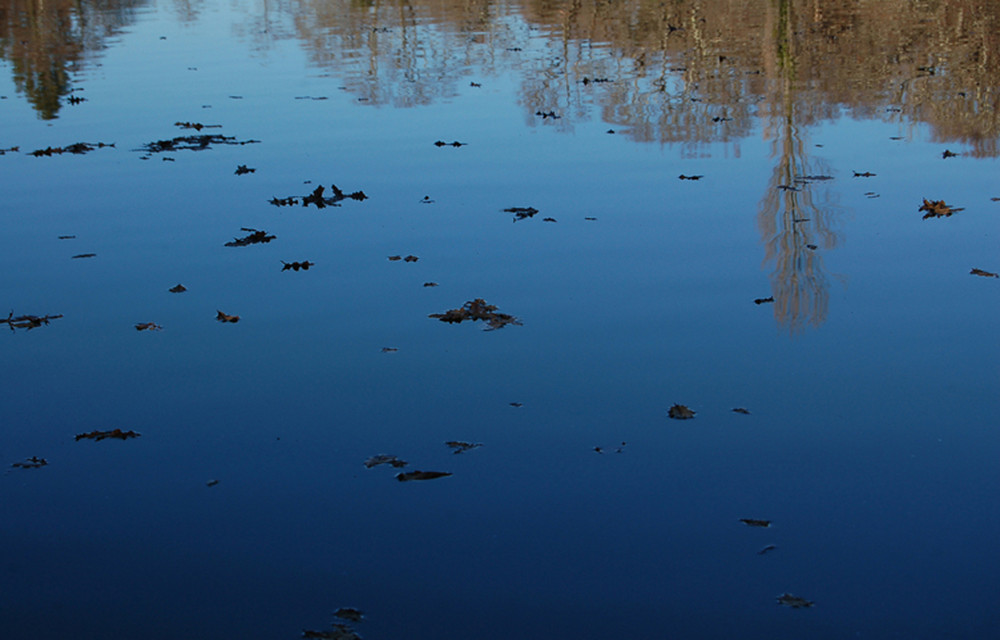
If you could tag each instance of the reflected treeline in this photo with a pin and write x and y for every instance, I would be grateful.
(46, 40)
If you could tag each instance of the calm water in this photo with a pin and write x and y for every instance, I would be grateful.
(244, 509)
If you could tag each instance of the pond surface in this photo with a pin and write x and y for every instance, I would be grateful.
(796, 278)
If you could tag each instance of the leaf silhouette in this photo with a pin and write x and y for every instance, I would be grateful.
(680, 412)
(116, 434)
(421, 475)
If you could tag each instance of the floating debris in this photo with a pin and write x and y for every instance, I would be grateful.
(458, 446)
(242, 170)
(948, 154)
(426, 200)
(816, 178)
(317, 198)
(547, 114)
(751, 522)
(590, 218)
(684, 177)
(477, 309)
(9, 150)
(77, 148)
(225, 317)
(587, 80)
(148, 326)
(680, 412)
(197, 126)
(421, 475)
(741, 410)
(27, 322)
(211, 483)
(937, 209)
(431, 284)
(866, 174)
(520, 213)
(34, 462)
(382, 458)
(255, 237)
(295, 266)
(178, 289)
(516, 405)
(769, 547)
(618, 449)
(763, 300)
(102, 435)
(83, 255)
(787, 187)
(456, 143)
(794, 602)
(339, 632)
(389, 349)
(66, 237)
(410, 258)
(985, 274)
(193, 143)
(549, 220)
(349, 613)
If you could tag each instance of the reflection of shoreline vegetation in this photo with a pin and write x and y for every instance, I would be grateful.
(46, 40)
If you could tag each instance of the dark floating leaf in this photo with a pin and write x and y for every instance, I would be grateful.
(948, 154)
(769, 547)
(178, 289)
(587, 80)
(786, 187)
(410, 258)
(741, 410)
(680, 412)
(84, 255)
(871, 195)
(389, 349)
(197, 126)
(610, 131)
(458, 446)
(382, 458)
(242, 170)
(474, 310)
(339, 632)
(985, 274)
(225, 317)
(590, 218)
(34, 462)
(547, 114)
(520, 213)
(994, 199)
(812, 247)
(67, 237)
(148, 326)
(102, 435)
(431, 284)
(211, 483)
(395, 258)
(684, 177)
(295, 266)
(421, 475)
(255, 237)
(516, 405)
(193, 143)
(794, 602)
(426, 200)
(349, 613)
(866, 174)
(937, 209)
(27, 322)
(549, 220)
(9, 150)
(456, 143)
(77, 148)
(317, 198)
(751, 522)
(763, 300)
(75, 100)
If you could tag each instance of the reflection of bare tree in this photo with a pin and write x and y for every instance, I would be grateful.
(46, 40)
(794, 218)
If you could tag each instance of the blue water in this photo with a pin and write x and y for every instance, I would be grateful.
(871, 441)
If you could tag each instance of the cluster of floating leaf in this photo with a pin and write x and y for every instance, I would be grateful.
(114, 434)
(77, 148)
(475, 310)
(255, 236)
(318, 199)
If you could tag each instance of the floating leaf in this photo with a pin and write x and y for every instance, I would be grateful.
(684, 177)
(225, 317)
(84, 255)
(816, 178)
(255, 237)
(430, 284)
(477, 309)
(769, 547)
(27, 322)
(389, 349)
(34, 462)
(794, 602)
(866, 174)
(211, 483)
(102, 435)
(549, 220)
(242, 170)
(178, 289)
(193, 143)
(948, 154)
(148, 326)
(456, 143)
(67, 237)
(197, 126)
(382, 458)
(763, 300)
(516, 405)
(458, 446)
(520, 213)
(349, 613)
(680, 412)
(295, 266)
(741, 410)
(547, 114)
(421, 475)
(937, 209)
(410, 258)
(985, 274)
(751, 522)
(77, 148)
